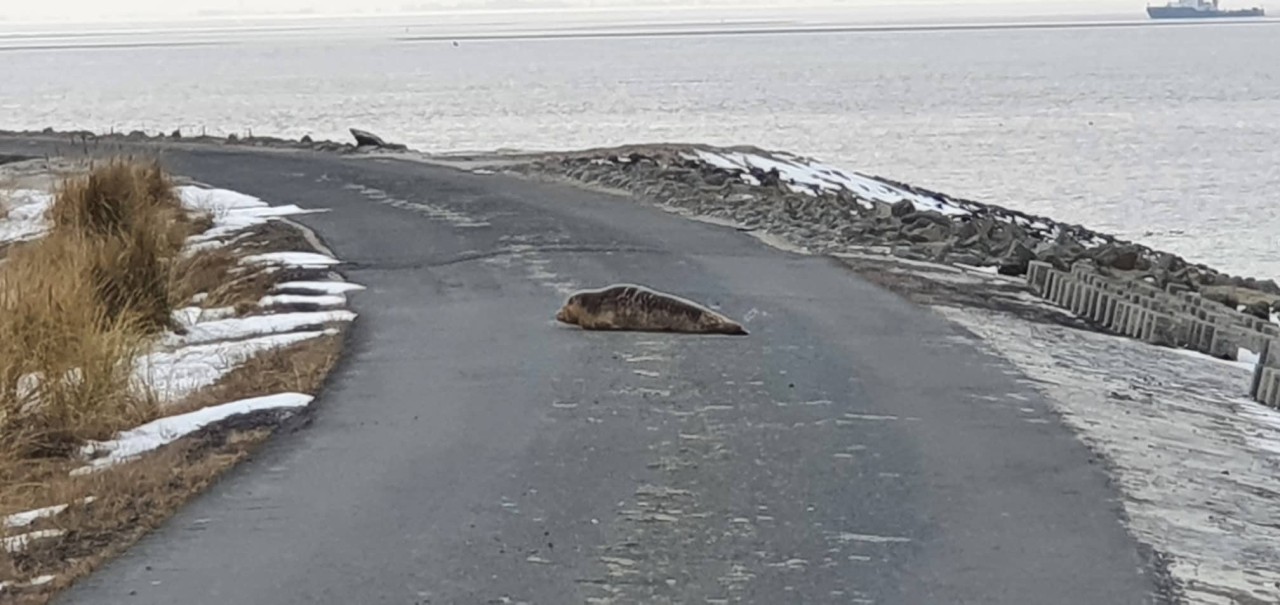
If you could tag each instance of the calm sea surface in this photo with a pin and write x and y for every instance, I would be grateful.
(1169, 135)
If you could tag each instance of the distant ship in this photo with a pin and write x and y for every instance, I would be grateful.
(1199, 9)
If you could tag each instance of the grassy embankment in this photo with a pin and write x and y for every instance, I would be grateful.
(77, 308)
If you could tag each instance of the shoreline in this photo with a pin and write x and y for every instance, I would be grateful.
(877, 228)
(1044, 238)
(1183, 446)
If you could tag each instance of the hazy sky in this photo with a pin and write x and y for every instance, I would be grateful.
(90, 10)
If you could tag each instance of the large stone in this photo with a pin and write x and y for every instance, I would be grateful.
(976, 233)
(1122, 257)
(1260, 309)
(1015, 261)
(716, 179)
(1169, 262)
(902, 208)
(925, 217)
(1222, 296)
(967, 258)
(929, 232)
(767, 178)
(966, 230)
(882, 211)
(1062, 253)
(935, 251)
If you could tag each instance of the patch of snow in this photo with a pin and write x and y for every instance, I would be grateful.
(173, 375)
(808, 174)
(322, 300)
(20, 542)
(153, 435)
(31, 516)
(25, 217)
(217, 201)
(322, 287)
(40, 581)
(306, 260)
(232, 211)
(189, 316)
(24, 519)
(234, 328)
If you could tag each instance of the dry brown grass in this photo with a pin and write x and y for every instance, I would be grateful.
(227, 283)
(132, 499)
(120, 197)
(79, 305)
(217, 274)
(76, 307)
(133, 225)
(65, 361)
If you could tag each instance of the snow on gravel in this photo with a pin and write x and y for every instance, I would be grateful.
(803, 175)
(148, 437)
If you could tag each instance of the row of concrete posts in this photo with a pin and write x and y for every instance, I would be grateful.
(1170, 318)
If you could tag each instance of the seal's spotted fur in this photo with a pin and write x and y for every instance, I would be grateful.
(632, 307)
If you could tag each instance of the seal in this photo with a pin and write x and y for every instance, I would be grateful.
(638, 308)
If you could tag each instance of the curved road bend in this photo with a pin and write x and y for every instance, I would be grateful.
(853, 449)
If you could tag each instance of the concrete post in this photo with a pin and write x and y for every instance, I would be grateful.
(1225, 344)
(1258, 369)
(1037, 276)
(1162, 330)
(1109, 314)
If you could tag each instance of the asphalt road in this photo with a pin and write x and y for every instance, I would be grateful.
(468, 450)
